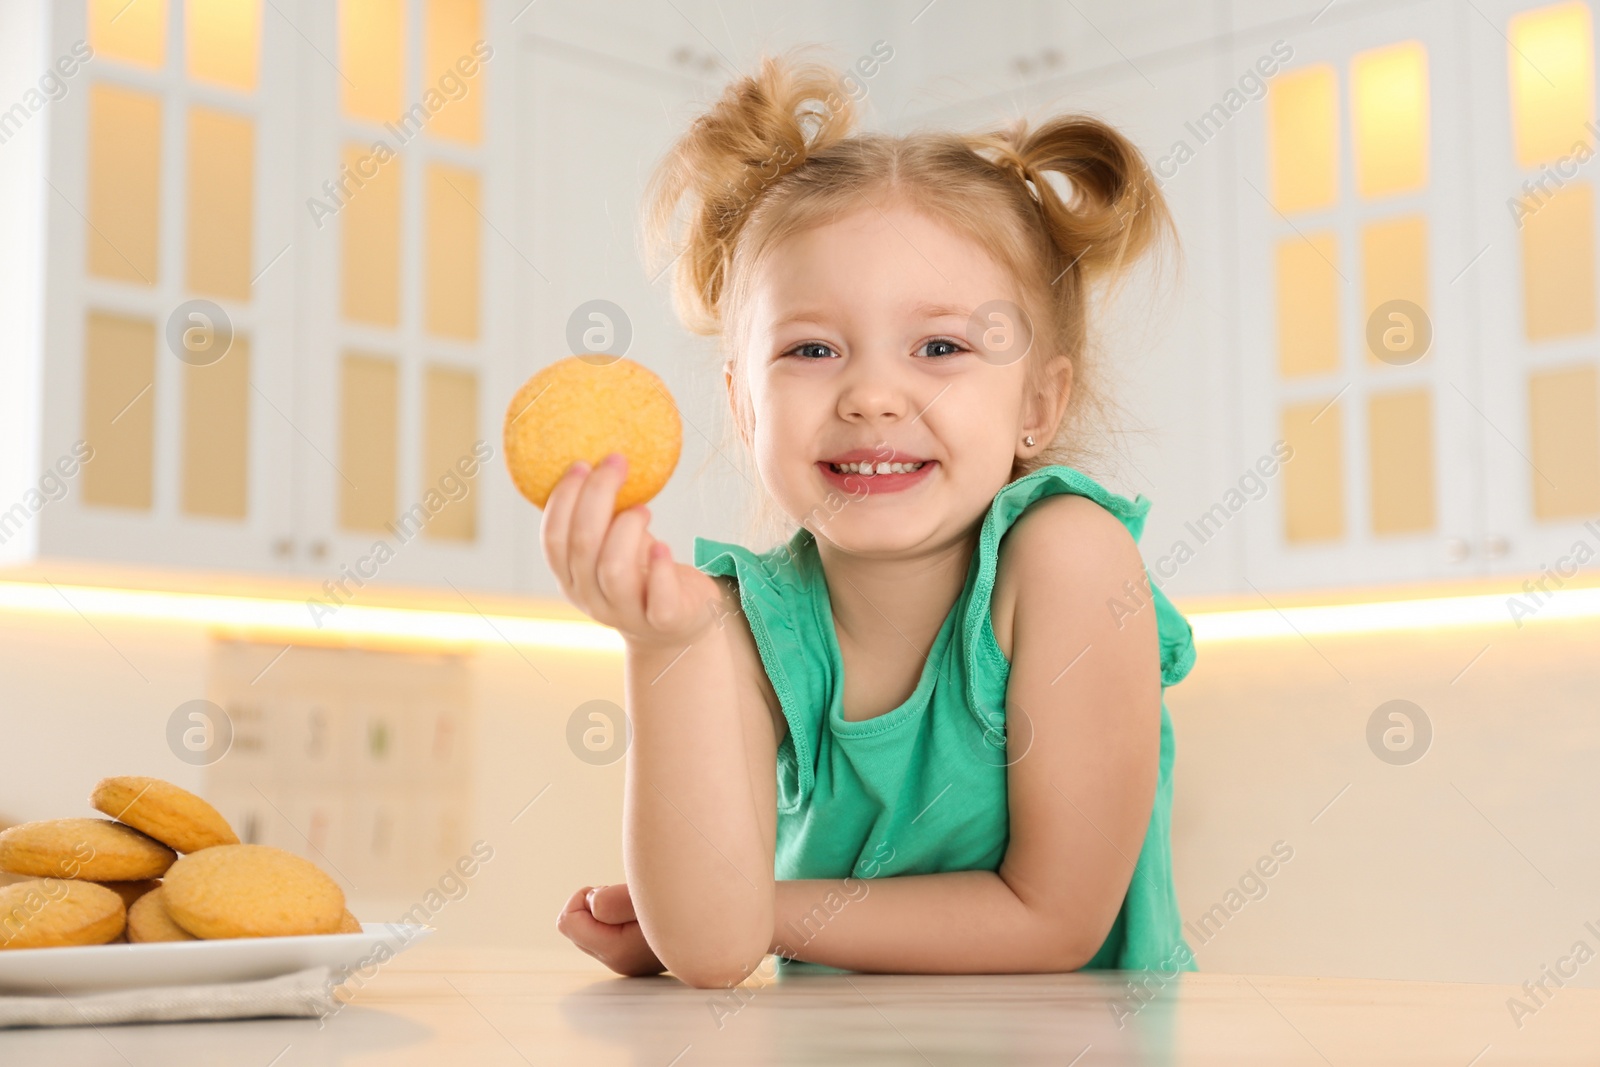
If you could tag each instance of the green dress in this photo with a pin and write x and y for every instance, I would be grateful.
(921, 789)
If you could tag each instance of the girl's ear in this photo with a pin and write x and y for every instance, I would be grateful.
(733, 401)
(1046, 406)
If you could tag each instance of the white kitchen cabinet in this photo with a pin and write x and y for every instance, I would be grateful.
(269, 459)
(159, 515)
(1536, 304)
(1390, 484)
(1511, 378)
(434, 203)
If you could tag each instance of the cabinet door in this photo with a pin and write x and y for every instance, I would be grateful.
(1536, 288)
(169, 295)
(590, 132)
(406, 291)
(1355, 299)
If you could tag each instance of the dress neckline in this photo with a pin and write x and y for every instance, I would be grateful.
(920, 696)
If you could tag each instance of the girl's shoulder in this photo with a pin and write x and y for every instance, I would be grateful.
(1063, 493)
(1058, 479)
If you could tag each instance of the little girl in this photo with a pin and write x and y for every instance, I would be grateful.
(925, 734)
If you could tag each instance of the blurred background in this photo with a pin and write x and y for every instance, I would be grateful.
(271, 272)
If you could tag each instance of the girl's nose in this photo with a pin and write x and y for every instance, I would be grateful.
(871, 389)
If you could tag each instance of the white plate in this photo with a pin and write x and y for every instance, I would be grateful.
(95, 968)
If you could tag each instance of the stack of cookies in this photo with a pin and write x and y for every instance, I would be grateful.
(94, 881)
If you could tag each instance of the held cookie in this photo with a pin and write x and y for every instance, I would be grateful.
(149, 920)
(175, 817)
(583, 407)
(251, 891)
(57, 912)
(97, 850)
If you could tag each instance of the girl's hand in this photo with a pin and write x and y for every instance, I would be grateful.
(613, 569)
(601, 922)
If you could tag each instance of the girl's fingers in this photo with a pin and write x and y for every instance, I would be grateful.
(601, 940)
(557, 517)
(613, 904)
(643, 560)
(576, 902)
(661, 587)
(591, 517)
(600, 920)
(617, 573)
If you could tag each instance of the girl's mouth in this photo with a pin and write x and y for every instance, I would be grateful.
(881, 477)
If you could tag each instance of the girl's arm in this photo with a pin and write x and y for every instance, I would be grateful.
(697, 821)
(958, 922)
(1084, 746)
(699, 807)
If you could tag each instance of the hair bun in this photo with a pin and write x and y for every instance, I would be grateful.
(1111, 212)
(764, 126)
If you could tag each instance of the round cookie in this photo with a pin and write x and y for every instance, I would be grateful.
(251, 891)
(582, 408)
(348, 923)
(97, 850)
(149, 920)
(58, 912)
(131, 891)
(175, 817)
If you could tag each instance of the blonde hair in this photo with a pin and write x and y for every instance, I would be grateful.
(775, 155)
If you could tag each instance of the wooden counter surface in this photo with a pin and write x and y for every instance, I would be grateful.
(464, 1008)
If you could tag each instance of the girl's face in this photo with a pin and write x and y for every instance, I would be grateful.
(857, 348)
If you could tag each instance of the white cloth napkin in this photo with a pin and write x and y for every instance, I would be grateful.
(307, 992)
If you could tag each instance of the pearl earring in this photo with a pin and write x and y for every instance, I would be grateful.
(1028, 440)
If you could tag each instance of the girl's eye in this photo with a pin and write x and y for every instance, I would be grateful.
(953, 347)
(801, 349)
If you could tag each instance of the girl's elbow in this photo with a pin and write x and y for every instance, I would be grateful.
(718, 973)
(1069, 949)
(718, 961)
(1076, 956)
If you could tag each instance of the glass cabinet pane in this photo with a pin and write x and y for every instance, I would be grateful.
(1303, 138)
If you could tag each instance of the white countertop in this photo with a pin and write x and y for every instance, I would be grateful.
(469, 1007)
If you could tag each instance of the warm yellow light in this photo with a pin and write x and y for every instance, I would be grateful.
(1303, 139)
(1308, 304)
(1485, 609)
(1550, 60)
(451, 29)
(316, 621)
(295, 620)
(224, 38)
(134, 31)
(1558, 264)
(1389, 118)
(371, 52)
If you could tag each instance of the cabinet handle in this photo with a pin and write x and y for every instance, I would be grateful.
(283, 547)
(1496, 546)
(319, 549)
(1456, 549)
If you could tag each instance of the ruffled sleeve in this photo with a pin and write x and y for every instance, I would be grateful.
(1175, 635)
(774, 596)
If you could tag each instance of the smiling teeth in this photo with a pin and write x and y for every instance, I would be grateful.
(881, 468)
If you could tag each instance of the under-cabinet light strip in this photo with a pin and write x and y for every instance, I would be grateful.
(292, 617)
